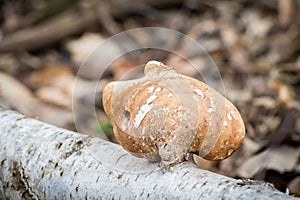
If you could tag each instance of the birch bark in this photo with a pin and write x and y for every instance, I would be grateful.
(40, 161)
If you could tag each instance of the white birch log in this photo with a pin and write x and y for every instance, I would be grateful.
(40, 161)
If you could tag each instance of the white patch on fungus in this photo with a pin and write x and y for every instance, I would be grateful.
(151, 98)
(199, 92)
(143, 111)
(234, 114)
(213, 107)
(229, 152)
(210, 110)
(143, 133)
(229, 116)
(141, 114)
(225, 123)
(150, 89)
(167, 109)
(195, 98)
(158, 89)
(123, 126)
(154, 62)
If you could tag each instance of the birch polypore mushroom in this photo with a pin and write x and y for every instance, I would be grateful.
(165, 116)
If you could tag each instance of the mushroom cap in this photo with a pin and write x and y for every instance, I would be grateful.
(166, 115)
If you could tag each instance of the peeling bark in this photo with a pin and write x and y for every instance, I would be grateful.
(40, 161)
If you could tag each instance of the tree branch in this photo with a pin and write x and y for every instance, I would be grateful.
(40, 161)
(73, 22)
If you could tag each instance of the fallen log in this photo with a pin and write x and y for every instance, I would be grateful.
(40, 161)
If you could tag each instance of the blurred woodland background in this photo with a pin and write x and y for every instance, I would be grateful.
(255, 44)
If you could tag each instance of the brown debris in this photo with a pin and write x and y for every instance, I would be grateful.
(254, 44)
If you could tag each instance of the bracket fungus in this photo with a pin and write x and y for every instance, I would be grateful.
(164, 116)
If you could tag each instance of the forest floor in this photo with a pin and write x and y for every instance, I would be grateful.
(48, 47)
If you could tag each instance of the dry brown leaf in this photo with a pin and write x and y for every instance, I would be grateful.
(257, 24)
(55, 84)
(54, 115)
(54, 74)
(205, 164)
(122, 66)
(294, 186)
(54, 96)
(239, 59)
(282, 159)
(17, 96)
(82, 47)
(229, 35)
(296, 136)
(286, 11)
(91, 59)
(8, 63)
(284, 92)
(239, 96)
(265, 101)
(192, 67)
(268, 124)
(250, 147)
